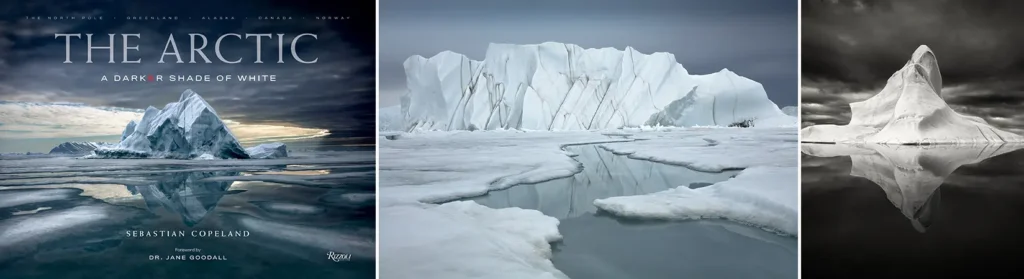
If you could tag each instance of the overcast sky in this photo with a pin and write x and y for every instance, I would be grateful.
(336, 93)
(850, 48)
(754, 38)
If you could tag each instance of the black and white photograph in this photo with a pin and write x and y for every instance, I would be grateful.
(911, 138)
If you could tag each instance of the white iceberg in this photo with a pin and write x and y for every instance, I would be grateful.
(184, 129)
(187, 129)
(909, 110)
(128, 130)
(268, 151)
(555, 86)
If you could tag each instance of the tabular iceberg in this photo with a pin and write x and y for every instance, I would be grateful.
(186, 129)
(909, 110)
(267, 151)
(555, 86)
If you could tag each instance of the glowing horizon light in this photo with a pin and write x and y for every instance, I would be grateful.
(30, 120)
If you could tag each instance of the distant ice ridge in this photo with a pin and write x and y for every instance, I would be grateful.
(186, 129)
(555, 86)
(909, 110)
(78, 148)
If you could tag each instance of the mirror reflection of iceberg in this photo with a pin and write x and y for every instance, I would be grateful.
(184, 193)
(909, 175)
(604, 175)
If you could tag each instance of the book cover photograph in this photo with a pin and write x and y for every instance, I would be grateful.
(176, 139)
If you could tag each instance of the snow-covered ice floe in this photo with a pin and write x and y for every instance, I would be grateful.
(466, 240)
(418, 169)
(763, 194)
(909, 175)
(268, 151)
(760, 196)
(555, 86)
(910, 110)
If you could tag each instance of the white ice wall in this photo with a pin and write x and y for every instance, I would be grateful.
(555, 86)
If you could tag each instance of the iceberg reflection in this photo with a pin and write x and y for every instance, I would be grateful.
(909, 175)
(186, 193)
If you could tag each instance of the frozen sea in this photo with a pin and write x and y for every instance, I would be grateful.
(938, 211)
(64, 217)
(661, 203)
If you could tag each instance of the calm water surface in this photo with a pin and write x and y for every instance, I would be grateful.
(912, 212)
(78, 220)
(598, 246)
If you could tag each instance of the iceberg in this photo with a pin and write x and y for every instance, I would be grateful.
(78, 148)
(268, 151)
(909, 110)
(791, 111)
(184, 129)
(556, 86)
(187, 129)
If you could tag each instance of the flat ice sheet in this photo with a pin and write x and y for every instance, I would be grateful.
(714, 149)
(444, 166)
(761, 196)
(466, 240)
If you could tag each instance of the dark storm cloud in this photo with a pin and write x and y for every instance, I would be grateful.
(850, 49)
(336, 93)
(865, 41)
(754, 38)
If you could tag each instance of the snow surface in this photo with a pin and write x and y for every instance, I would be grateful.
(268, 151)
(909, 175)
(762, 196)
(479, 242)
(555, 86)
(466, 240)
(910, 110)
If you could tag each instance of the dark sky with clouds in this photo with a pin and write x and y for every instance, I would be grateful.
(754, 38)
(336, 93)
(850, 48)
